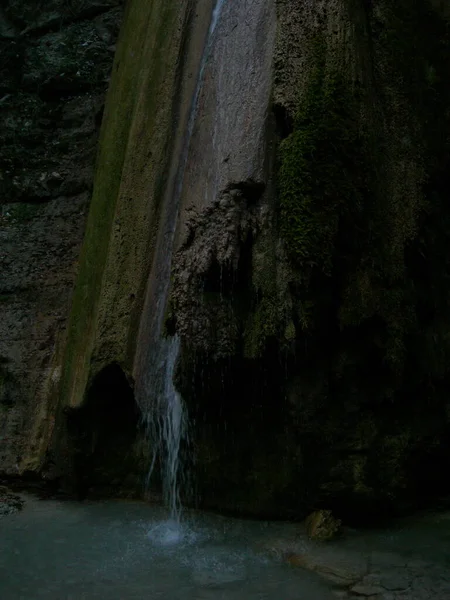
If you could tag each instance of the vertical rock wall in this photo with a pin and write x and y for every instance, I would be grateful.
(55, 62)
(309, 277)
(318, 323)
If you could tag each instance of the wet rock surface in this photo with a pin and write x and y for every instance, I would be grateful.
(409, 562)
(307, 355)
(325, 326)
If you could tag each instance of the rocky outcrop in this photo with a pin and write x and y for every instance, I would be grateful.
(316, 323)
(361, 182)
(147, 109)
(55, 65)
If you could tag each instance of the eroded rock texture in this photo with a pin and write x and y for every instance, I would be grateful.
(297, 228)
(313, 313)
(55, 60)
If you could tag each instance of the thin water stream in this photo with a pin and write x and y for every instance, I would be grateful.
(162, 407)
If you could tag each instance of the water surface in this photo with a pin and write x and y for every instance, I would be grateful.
(126, 550)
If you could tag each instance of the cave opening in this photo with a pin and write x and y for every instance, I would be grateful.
(104, 434)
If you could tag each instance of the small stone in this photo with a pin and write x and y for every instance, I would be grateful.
(394, 581)
(322, 526)
(367, 590)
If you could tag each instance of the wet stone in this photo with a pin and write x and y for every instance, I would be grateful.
(395, 581)
(367, 590)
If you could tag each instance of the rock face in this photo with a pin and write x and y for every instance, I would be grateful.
(55, 65)
(299, 290)
(295, 231)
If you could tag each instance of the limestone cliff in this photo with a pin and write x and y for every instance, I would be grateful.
(311, 296)
(306, 249)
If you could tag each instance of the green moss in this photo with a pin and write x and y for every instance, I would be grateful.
(267, 315)
(263, 324)
(319, 175)
(355, 177)
(363, 191)
(289, 332)
(139, 70)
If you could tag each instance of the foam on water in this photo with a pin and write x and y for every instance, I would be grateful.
(120, 550)
(171, 533)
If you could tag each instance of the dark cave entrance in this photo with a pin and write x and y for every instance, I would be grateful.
(105, 437)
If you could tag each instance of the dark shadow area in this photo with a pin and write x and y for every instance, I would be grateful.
(229, 281)
(283, 121)
(104, 435)
(247, 462)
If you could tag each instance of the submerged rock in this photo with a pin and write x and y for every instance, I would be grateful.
(322, 526)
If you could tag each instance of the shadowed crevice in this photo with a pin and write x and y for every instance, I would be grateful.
(104, 433)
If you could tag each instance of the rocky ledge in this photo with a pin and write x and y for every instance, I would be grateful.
(408, 562)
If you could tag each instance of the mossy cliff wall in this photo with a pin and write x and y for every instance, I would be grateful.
(362, 180)
(318, 333)
(310, 275)
(135, 150)
(147, 107)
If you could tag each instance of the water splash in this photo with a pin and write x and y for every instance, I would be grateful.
(167, 425)
(169, 533)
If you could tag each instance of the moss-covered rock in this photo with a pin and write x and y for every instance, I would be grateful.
(322, 526)
(359, 178)
(348, 317)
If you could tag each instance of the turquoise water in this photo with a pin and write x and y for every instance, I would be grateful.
(128, 550)
(124, 550)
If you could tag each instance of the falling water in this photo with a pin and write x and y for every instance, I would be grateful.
(164, 410)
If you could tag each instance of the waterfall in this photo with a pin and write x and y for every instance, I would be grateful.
(166, 422)
(164, 412)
